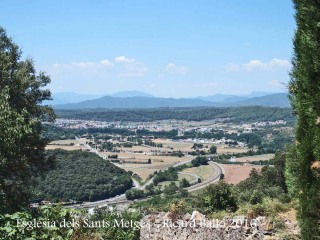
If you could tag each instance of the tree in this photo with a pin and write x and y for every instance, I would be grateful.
(199, 161)
(218, 197)
(305, 98)
(213, 149)
(184, 183)
(134, 194)
(171, 188)
(21, 146)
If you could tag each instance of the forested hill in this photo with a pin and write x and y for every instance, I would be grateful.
(114, 102)
(82, 176)
(235, 114)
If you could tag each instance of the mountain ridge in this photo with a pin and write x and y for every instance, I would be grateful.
(272, 100)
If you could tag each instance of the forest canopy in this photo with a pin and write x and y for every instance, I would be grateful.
(234, 114)
(81, 176)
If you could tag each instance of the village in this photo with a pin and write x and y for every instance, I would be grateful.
(144, 152)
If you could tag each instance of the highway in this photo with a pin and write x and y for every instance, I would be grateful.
(213, 179)
(121, 199)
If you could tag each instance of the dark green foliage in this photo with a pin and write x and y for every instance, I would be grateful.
(70, 224)
(116, 230)
(199, 161)
(292, 168)
(134, 194)
(259, 188)
(218, 197)
(177, 154)
(221, 176)
(170, 189)
(233, 114)
(251, 139)
(107, 146)
(53, 216)
(256, 138)
(21, 146)
(152, 144)
(52, 133)
(305, 98)
(279, 163)
(128, 145)
(197, 145)
(213, 149)
(184, 183)
(269, 183)
(82, 176)
(171, 174)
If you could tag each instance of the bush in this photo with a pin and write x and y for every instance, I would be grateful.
(213, 149)
(218, 197)
(170, 189)
(184, 183)
(134, 194)
(199, 161)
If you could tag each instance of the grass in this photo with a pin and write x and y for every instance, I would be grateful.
(223, 148)
(65, 142)
(166, 183)
(143, 173)
(269, 207)
(255, 158)
(196, 192)
(64, 147)
(186, 176)
(157, 162)
(204, 171)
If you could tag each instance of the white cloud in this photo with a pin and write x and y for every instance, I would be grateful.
(173, 68)
(123, 67)
(259, 65)
(106, 63)
(131, 67)
(273, 64)
(84, 65)
(123, 59)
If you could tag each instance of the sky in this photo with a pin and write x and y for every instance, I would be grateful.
(181, 48)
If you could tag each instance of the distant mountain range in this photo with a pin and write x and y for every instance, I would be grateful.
(137, 99)
(126, 94)
(71, 97)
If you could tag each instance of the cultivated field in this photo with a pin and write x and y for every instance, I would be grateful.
(262, 157)
(65, 142)
(236, 173)
(142, 172)
(68, 144)
(182, 146)
(224, 148)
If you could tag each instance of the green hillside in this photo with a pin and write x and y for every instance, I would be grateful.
(234, 114)
(82, 176)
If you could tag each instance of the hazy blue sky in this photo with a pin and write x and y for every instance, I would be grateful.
(169, 48)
